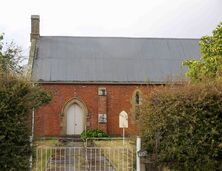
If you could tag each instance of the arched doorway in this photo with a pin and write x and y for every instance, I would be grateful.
(75, 120)
(73, 117)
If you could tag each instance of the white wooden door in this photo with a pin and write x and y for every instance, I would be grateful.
(75, 120)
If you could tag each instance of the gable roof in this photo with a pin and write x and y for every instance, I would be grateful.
(111, 59)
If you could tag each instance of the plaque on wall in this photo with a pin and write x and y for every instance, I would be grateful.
(102, 118)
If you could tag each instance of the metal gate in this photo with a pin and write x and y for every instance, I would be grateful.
(84, 159)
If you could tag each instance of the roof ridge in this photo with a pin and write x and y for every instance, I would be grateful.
(113, 37)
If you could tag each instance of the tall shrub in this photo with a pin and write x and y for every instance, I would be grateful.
(181, 126)
(17, 98)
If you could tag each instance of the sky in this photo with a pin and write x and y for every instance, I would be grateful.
(109, 18)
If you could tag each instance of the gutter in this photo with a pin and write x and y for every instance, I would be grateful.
(110, 82)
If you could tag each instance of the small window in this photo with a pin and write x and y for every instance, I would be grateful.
(137, 98)
(137, 101)
(102, 92)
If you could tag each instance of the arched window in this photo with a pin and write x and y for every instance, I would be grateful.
(137, 98)
(137, 101)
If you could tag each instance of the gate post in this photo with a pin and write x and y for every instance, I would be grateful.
(138, 148)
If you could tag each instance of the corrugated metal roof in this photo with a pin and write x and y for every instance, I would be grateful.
(111, 59)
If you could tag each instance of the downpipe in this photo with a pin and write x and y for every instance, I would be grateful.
(32, 137)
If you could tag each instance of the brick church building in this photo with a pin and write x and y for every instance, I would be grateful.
(93, 79)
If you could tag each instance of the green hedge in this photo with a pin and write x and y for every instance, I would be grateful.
(93, 133)
(181, 126)
(17, 98)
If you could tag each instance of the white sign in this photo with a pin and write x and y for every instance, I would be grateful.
(123, 120)
(142, 153)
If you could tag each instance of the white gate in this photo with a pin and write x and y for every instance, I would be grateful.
(84, 159)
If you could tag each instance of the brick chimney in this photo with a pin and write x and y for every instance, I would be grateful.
(35, 19)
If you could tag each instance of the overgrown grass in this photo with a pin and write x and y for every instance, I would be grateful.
(121, 156)
(42, 155)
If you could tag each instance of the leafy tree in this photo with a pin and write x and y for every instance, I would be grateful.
(210, 64)
(10, 59)
(181, 126)
(17, 97)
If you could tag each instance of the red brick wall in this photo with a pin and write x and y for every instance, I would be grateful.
(119, 98)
